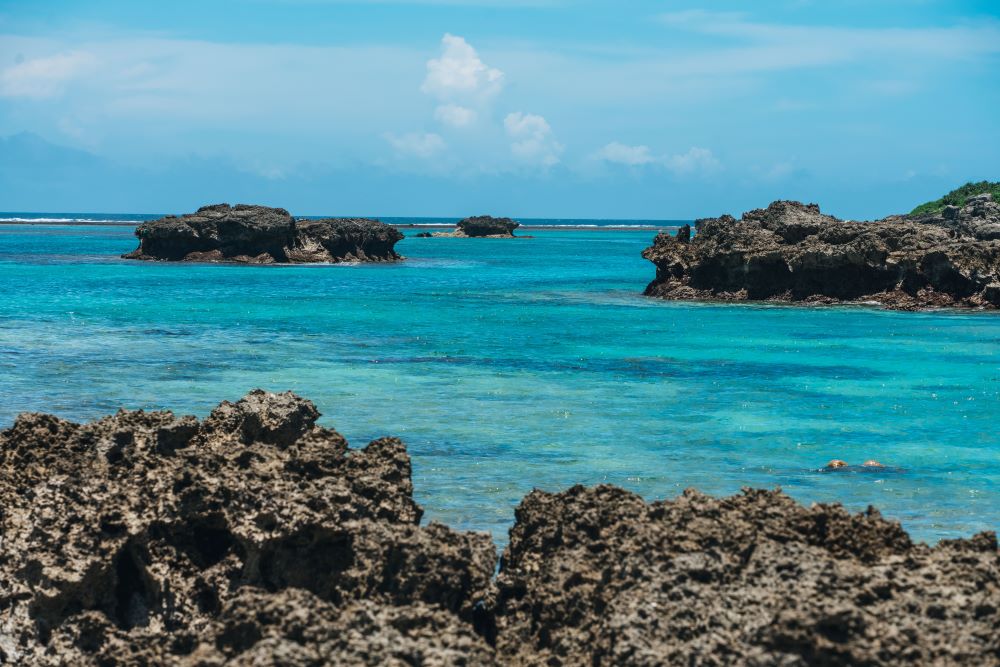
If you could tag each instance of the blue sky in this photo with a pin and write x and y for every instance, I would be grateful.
(543, 108)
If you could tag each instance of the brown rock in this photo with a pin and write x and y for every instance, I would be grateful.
(596, 576)
(256, 537)
(143, 538)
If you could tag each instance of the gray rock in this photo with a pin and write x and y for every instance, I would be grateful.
(792, 252)
(262, 235)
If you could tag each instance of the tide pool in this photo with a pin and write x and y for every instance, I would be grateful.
(512, 364)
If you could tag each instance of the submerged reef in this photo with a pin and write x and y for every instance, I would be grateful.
(262, 235)
(256, 536)
(791, 252)
(482, 226)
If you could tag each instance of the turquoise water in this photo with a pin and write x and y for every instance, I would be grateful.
(507, 365)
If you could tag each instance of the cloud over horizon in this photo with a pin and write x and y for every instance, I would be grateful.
(778, 99)
(45, 77)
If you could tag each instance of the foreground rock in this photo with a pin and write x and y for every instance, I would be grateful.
(791, 252)
(595, 576)
(262, 235)
(482, 226)
(255, 537)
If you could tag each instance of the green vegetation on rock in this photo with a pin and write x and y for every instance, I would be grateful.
(958, 196)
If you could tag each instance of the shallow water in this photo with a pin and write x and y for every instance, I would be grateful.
(507, 365)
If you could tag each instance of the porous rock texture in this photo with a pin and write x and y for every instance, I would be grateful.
(596, 576)
(251, 537)
(791, 252)
(483, 226)
(261, 235)
(256, 537)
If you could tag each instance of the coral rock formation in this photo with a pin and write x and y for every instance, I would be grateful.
(144, 538)
(792, 252)
(596, 576)
(262, 235)
(256, 537)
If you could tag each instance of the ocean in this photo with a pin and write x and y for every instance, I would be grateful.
(507, 365)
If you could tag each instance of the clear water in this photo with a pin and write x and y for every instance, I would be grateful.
(507, 365)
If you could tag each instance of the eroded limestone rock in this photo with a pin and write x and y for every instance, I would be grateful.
(791, 252)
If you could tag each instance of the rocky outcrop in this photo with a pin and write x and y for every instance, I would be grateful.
(791, 252)
(253, 536)
(483, 226)
(596, 576)
(256, 537)
(262, 235)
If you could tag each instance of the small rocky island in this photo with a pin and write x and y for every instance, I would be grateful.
(261, 235)
(791, 252)
(480, 226)
(256, 536)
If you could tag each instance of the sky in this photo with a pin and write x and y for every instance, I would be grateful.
(528, 108)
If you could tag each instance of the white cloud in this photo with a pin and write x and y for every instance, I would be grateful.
(620, 153)
(532, 139)
(40, 78)
(455, 115)
(695, 160)
(417, 144)
(459, 74)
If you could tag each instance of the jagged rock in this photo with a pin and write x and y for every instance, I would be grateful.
(262, 235)
(483, 226)
(596, 576)
(256, 537)
(792, 252)
(146, 538)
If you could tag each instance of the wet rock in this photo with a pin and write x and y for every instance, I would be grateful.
(596, 576)
(791, 252)
(261, 235)
(143, 538)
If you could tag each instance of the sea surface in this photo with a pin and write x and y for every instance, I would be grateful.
(512, 364)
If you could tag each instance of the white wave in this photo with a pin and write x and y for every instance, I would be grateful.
(533, 225)
(57, 220)
(592, 226)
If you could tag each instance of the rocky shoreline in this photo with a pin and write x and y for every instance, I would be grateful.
(255, 536)
(791, 252)
(249, 234)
